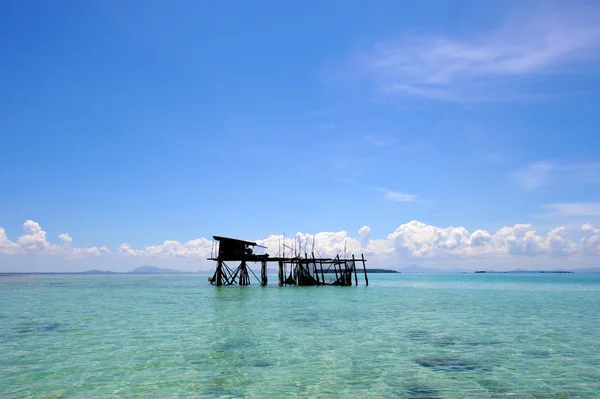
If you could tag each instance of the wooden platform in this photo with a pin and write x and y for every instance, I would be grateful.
(296, 270)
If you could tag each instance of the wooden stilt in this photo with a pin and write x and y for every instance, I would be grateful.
(347, 274)
(263, 273)
(354, 267)
(244, 278)
(365, 269)
(295, 272)
(316, 271)
(322, 273)
(219, 273)
(281, 273)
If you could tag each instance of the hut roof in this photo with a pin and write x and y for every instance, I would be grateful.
(234, 240)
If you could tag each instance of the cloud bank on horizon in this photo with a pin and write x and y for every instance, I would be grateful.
(410, 242)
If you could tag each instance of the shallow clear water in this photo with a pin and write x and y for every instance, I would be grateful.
(405, 336)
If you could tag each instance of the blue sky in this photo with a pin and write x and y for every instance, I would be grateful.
(125, 125)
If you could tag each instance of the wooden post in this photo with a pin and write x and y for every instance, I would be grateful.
(280, 273)
(244, 278)
(307, 263)
(263, 273)
(295, 271)
(316, 273)
(310, 275)
(219, 273)
(347, 274)
(354, 267)
(365, 269)
(322, 274)
(335, 268)
(291, 276)
(300, 272)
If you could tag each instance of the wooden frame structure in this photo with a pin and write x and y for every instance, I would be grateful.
(295, 270)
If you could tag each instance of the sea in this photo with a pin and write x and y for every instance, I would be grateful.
(404, 336)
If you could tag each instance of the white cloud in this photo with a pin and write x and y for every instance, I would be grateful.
(590, 243)
(397, 196)
(66, 238)
(33, 241)
(412, 241)
(365, 236)
(416, 239)
(7, 246)
(543, 173)
(170, 249)
(329, 244)
(558, 244)
(535, 175)
(544, 40)
(575, 209)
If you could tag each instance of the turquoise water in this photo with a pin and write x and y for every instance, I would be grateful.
(404, 336)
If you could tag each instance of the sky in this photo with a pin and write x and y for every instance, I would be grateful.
(439, 133)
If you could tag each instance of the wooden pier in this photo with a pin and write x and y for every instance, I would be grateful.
(299, 269)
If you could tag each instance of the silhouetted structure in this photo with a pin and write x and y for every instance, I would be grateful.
(295, 270)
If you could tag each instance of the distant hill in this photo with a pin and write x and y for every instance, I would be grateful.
(154, 270)
(381, 271)
(98, 272)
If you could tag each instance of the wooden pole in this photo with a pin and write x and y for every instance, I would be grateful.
(295, 270)
(228, 274)
(347, 274)
(219, 273)
(244, 279)
(354, 267)
(280, 273)
(316, 273)
(335, 268)
(263, 273)
(308, 264)
(365, 269)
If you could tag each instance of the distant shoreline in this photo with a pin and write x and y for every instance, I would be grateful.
(330, 271)
(151, 270)
(526, 271)
(104, 272)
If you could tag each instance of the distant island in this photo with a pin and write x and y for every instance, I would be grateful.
(382, 271)
(368, 271)
(98, 272)
(411, 269)
(137, 270)
(155, 270)
(526, 271)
